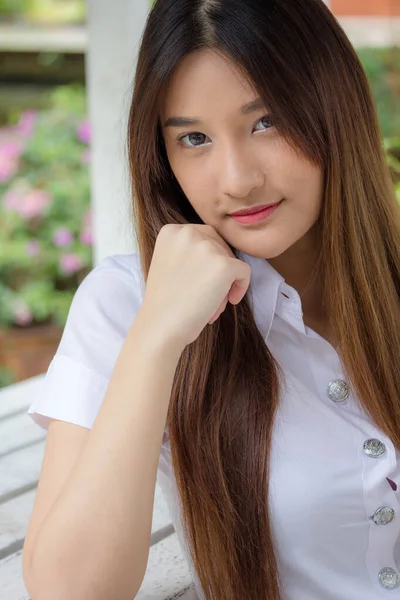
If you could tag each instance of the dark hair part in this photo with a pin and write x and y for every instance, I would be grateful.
(227, 385)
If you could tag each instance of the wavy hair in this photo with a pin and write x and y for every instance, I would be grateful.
(227, 386)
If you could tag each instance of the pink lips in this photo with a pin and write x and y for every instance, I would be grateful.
(256, 217)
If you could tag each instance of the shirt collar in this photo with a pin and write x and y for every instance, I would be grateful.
(265, 285)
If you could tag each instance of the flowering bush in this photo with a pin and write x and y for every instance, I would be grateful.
(45, 216)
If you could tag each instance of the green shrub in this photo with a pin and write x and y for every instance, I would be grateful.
(45, 217)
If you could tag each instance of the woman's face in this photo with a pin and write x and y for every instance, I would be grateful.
(229, 161)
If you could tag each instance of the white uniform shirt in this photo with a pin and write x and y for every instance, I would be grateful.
(334, 507)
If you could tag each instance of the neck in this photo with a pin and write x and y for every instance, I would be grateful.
(299, 266)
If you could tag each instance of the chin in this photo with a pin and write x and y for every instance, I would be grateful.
(266, 243)
(266, 252)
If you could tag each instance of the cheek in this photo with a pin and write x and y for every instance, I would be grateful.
(196, 184)
(302, 182)
(313, 189)
(291, 174)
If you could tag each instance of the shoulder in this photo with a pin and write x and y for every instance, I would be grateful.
(118, 272)
(102, 311)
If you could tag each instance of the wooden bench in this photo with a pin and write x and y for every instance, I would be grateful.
(21, 453)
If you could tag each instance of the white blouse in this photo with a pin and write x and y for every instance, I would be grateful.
(334, 474)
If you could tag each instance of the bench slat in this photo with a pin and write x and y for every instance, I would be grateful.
(19, 395)
(14, 518)
(20, 468)
(12, 586)
(19, 431)
(167, 572)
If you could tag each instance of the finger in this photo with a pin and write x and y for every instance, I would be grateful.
(240, 286)
(219, 311)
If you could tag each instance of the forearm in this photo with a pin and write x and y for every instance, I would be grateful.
(95, 541)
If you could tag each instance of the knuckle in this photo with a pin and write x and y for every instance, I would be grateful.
(167, 233)
(162, 233)
(186, 235)
(246, 267)
(166, 229)
(221, 265)
(189, 229)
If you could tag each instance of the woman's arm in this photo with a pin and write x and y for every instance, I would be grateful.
(92, 541)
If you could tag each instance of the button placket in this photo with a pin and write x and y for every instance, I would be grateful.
(382, 504)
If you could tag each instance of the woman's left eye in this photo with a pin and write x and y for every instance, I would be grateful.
(266, 118)
(197, 134)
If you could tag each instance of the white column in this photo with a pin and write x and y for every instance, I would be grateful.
(115, 29)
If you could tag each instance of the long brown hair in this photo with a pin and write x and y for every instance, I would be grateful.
(227, 384)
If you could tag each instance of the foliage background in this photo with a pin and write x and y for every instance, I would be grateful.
(45, 217)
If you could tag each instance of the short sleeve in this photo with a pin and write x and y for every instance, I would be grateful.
(101, 313)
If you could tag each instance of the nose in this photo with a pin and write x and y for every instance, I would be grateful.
(239, 171)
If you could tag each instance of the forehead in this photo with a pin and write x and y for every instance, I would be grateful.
(205, 80)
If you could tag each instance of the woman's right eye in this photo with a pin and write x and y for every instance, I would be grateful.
(193, 137)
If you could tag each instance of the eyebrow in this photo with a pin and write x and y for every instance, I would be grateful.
(189, 121)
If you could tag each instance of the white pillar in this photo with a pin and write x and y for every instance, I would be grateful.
(115, 29)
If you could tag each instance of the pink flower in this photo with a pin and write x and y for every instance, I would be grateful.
(8, 133)
(26, 202)
(63, 237)
(32, 248)
(9, 160)
(70, 263)
(84, 132)
(12, 200)
(86, 235)
(7, 170)
(34, 204)
(22, 314)
(11, 149)
(27, 123)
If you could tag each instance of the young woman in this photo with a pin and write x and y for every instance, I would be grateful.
(275, 431)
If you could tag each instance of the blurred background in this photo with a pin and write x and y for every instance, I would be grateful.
(66, 70)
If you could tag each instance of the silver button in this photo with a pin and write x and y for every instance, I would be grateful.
(384, 515)
(388, 578)
(374, 448)
(338, 390)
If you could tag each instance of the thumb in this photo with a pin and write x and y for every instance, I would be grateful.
(237, 293)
